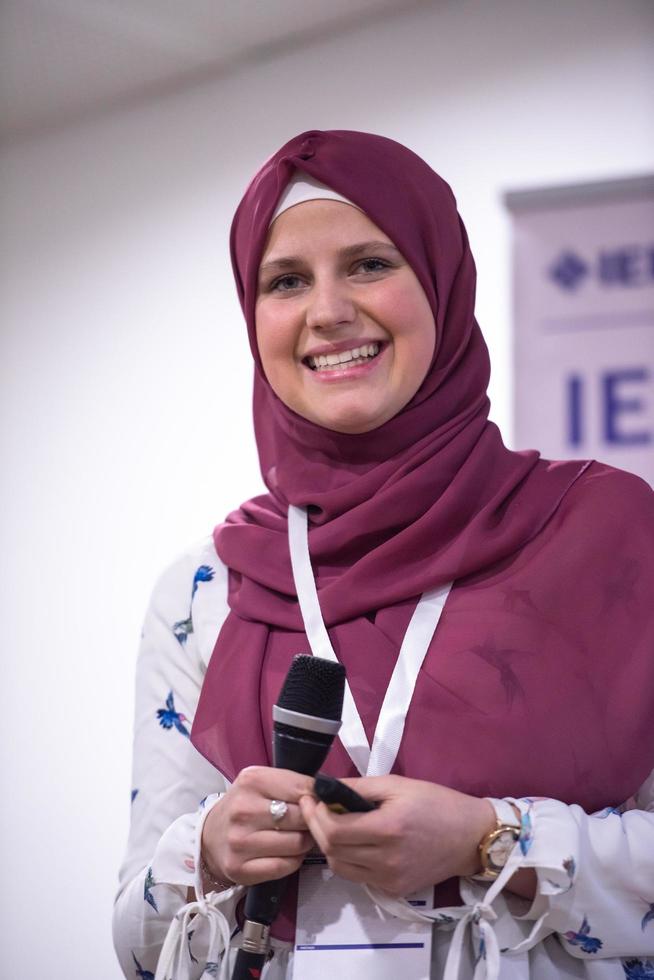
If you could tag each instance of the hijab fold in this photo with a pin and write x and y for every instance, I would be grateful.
(430, 495)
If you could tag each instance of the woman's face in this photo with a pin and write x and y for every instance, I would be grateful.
(344, 329)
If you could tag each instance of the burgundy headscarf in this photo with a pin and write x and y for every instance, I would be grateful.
(539, 679)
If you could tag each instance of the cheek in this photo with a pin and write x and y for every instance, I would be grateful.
(412, 321)
(275, 342)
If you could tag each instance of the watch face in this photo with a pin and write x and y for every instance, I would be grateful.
(501, 847)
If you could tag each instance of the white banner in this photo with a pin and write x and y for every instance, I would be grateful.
(583, 274)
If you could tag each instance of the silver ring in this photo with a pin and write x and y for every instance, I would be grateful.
(278, 810)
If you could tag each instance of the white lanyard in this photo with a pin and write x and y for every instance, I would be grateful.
(379, 760)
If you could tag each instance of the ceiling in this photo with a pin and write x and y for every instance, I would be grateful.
(62, 61)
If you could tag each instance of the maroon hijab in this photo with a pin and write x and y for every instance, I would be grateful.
(544, 648)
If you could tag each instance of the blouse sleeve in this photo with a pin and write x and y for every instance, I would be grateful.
(173, 786)
(594, 900)
(595, 875)
(595, 884)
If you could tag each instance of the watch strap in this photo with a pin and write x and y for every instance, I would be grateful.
(505, 812)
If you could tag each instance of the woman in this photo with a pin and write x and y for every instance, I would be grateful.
(518, 591)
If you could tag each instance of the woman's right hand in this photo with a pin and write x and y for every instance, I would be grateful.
(240, 841)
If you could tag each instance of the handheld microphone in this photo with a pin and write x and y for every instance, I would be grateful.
(306, 719)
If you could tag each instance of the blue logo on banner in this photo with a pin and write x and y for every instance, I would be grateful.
(627, 266)
(569, 271)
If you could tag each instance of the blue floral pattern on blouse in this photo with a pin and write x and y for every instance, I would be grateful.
(140, 972)
(638, 969)
(570, 868)
(168, 717)
(184, 627)
(204, 573)
(148, 885)
(526, 831)
(583, 939)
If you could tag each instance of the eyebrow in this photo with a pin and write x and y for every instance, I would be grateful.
(349, 252)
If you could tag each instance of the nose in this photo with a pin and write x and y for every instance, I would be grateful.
(329, 305)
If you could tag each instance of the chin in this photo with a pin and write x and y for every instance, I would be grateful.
(350, 416)
(350, 425)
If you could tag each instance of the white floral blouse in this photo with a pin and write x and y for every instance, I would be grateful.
(593, 916)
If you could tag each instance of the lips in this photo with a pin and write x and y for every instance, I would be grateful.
(351, 357)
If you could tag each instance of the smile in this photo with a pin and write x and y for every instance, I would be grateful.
(355, 356)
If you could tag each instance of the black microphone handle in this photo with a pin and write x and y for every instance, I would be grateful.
(303, 752)
(300, 751)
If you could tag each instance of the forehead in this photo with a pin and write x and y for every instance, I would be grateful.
(317, 224)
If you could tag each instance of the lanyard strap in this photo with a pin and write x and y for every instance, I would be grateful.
(392, 717)
(351, 734)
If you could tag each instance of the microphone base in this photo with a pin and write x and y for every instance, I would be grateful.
(252, 955)
(249, 966)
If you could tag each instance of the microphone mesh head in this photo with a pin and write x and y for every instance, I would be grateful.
(314, 686)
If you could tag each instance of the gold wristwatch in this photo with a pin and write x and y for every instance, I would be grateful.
(496, 846)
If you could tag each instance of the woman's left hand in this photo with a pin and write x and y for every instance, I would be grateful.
(421, 834)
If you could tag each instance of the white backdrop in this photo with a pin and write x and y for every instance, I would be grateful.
(125, 380)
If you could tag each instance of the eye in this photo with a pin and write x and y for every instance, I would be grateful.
(285, 284)
(372, 265)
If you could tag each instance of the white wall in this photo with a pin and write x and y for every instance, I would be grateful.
(125, 379)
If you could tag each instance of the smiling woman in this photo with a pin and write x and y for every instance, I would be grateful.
(456, 581)
(344, 329)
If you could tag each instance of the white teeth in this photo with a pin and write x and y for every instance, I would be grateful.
(329, 361)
